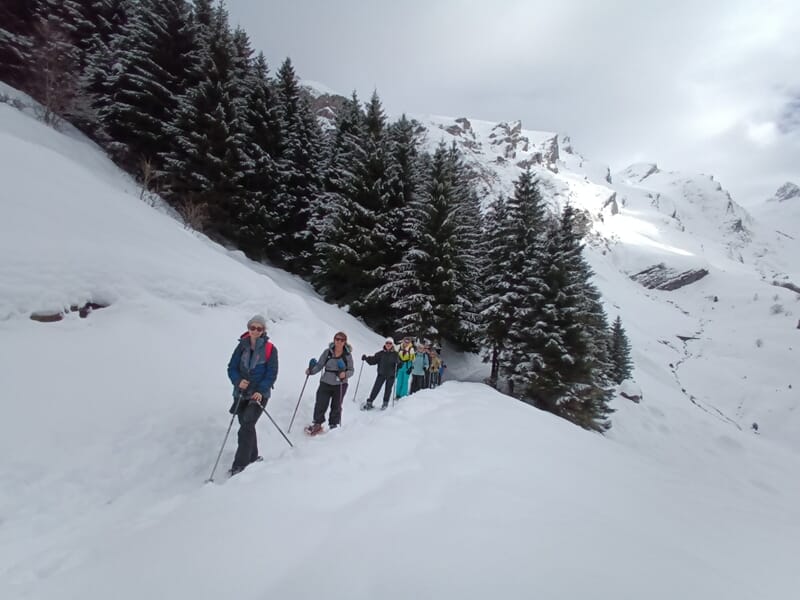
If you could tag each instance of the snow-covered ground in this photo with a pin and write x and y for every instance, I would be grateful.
(110, 424)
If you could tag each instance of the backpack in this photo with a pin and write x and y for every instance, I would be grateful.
(267, 347)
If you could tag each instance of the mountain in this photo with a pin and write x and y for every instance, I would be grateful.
(116, 324)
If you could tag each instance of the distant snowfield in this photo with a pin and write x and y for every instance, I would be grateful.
(110, 424)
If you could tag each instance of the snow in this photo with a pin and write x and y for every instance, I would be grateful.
(110, 424)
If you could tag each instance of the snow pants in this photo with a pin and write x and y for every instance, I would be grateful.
(333, 396)
(247, 451)
(402, 380)
(387, 392)
(417, 383)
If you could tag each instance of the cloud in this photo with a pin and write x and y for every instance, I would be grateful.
(695, 86)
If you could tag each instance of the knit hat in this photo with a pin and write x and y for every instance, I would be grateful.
(257, 320)
(388, 341)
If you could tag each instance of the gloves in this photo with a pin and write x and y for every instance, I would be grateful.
(363, 357)
(341, 364)
(409, 368)
(312, 363)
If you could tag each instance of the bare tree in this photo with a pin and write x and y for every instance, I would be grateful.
(194, 214)
(150, 184)
(53, 78)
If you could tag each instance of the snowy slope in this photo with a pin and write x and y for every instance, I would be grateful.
(109, 424)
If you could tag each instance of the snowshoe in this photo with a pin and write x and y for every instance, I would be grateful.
(367, 406)
(314, 429)
(384, 406)
(235, 470)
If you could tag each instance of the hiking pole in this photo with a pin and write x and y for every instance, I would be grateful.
(358, 381)
(394, 385)
(264, 408)
(298, 404)
(227, 433)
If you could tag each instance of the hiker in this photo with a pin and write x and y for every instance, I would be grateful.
(419, 365)
(387, 360)
(406, 354)
(337, 362)
(252, 369)
(433, 371)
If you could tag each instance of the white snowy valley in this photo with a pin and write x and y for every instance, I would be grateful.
(110, 422)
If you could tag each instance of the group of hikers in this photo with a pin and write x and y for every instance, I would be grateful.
(253, 369)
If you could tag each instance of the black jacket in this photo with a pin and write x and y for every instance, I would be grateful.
(387, 362)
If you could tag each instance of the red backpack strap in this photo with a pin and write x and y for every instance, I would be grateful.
(267, 350)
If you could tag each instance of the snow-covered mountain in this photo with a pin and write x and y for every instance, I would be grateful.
(111, 417)
(681, 262)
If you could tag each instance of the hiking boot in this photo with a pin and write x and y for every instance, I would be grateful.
(367, 406)
(314, 429)
(333, 426)
(235, 470)
(384, 406)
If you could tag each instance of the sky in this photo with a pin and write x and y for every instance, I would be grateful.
(704, 87)
(110, 425)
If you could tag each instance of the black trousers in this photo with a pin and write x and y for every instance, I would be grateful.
(387, 392)
(417, 382)
(333, 396)
(247, 451)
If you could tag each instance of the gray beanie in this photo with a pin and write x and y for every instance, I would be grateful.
(258, 320)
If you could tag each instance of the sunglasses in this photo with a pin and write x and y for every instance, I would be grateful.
(255, 328)
(339, 339)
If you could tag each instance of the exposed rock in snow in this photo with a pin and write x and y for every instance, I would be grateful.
(787, 191)
(661, 277)
(631, 390)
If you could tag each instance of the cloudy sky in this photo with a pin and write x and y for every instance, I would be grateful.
(710, 86)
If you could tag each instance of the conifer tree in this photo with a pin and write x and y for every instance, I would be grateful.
(521, 296)
(292, 242)
(513, 284)
(375, 182)
(261, 177)
(570, 374)
(205, 162)
(463, 326)
(341, 222)
(404, 185)
(155, 56)
(496, 310)
(620, 351)
(103, 21)
(17, 23)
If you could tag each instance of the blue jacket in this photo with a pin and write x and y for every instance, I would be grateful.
(253, 366)
(420, 364)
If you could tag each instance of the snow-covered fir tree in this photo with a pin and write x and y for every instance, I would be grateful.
(260, 171)
(495, 311)
(620, 353)
(155, 56)
(512, 282)
(405, 183)
(469, 255)
(376, 180)
(292, 241)
(569, 374)
(204, 164)
(344, 226)
(17, 24)
(427, 287)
